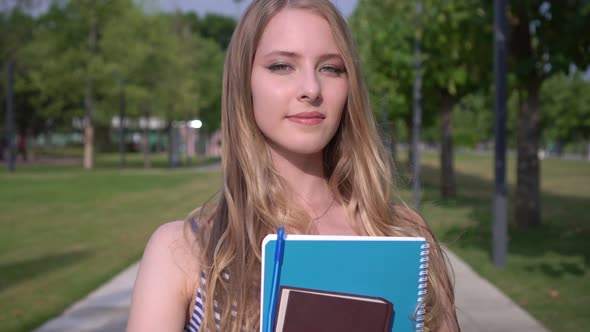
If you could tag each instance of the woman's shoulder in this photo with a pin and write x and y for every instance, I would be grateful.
(173, 247)
(177, 240)
(171, 231)
(166, 279)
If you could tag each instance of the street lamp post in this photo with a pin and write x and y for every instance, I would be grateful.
(10, 116)
(417, 118)
(122, 124)
(499, 247)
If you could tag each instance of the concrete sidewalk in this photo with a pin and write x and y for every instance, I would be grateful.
(105, 310)
(481, 307)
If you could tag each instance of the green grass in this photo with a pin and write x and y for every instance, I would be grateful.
(65, 231)
(73, 156)
(548, 268)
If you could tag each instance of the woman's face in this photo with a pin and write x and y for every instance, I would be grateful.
(299, 83)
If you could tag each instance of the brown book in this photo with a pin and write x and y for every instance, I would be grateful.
(310, 310)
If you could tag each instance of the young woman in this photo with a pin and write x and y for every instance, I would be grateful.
(300, 149)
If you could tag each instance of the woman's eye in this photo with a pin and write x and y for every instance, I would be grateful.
(278, 67)
(333, 69)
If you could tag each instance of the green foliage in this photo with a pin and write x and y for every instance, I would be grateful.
(457, 47)
(168, 66)
(199, 61)
(547, 37)
(383, 31)
(456, 50)
(62, 58)
(212, 26)
(473, 120)
(565, 109)
(16, 30)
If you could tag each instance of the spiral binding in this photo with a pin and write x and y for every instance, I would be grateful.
(422, 286)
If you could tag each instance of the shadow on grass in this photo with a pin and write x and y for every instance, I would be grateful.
(15, 273)
(159, 161)
(109, 162)
(565, 230)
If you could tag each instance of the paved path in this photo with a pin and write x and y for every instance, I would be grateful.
(104, 310)
(481, 307)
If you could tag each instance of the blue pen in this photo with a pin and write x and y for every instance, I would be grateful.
(276, 276)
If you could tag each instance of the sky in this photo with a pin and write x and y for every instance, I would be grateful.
(224, 7)
(231, 8)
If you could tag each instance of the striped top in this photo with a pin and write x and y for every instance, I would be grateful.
(194, 325)
(199, 312)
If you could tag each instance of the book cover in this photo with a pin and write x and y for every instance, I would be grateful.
(301, 309)
(392, 268)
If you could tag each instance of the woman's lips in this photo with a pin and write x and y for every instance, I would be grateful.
(307, 118)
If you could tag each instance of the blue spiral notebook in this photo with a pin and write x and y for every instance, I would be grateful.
(392, 268)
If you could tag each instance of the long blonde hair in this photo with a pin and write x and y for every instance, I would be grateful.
(253, 201)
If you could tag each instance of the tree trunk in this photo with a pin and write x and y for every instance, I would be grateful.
(190, 144)
(528, 201)
(89, 126)
(88, 146)
(392, 141)
(528, 205)
(170, 143)
(559, 148)
(448, 183)
(47, 134)
(122, 102)
(388, 131)
(145, 140)
(160, 144)
(410, 145)
(90, 107)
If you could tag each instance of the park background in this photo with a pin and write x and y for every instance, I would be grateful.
(117, 103)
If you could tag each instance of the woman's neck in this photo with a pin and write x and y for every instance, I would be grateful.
(304, 173)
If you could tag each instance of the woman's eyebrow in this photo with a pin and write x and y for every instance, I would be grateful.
(329, 56)
(290, 54)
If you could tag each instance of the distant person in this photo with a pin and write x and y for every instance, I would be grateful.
(3, 145)
(300, 149)
(21, 147)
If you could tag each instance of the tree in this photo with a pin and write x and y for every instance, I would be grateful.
(66, 61)
(16, 29)
(200, 67)
(384, 34)
(455, 37)
(546, 37)
(565, 110)
(457, 43)
(127, 44)
(473, 122)
(212, 26)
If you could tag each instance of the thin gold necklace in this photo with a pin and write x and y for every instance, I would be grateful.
(313, 220)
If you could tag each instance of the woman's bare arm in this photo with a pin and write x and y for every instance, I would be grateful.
(161, 295)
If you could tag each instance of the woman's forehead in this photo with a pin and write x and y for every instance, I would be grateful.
(297, 31)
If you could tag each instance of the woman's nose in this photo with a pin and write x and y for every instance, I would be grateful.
(310, 89)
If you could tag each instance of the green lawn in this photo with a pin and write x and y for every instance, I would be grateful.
(65, 231)
(548, 270)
